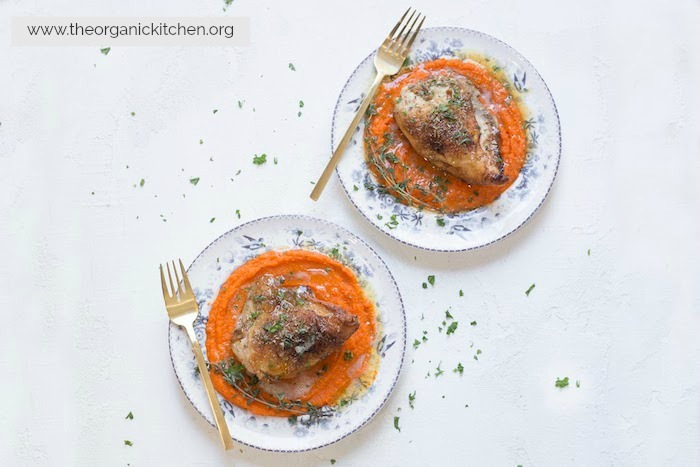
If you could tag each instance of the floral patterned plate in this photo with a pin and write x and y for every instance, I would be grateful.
(469, 229)
(209, 271)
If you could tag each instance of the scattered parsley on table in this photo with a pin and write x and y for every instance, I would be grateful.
(130, 416)
(452, 327)
(194, 180)
(411, 399)
(529, 289)
(259, 160)
(459, 369)
(562, 383)
(106, 50)
(396, 419)
(291, 66)
(128, 443)
(431, 280)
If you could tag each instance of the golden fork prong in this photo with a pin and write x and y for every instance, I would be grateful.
(173, 290)
(408, 45)
(177, 278)
(396, 41)
(391, 34)
(166, 294)
(185, 278)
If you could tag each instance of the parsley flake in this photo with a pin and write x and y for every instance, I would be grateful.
(562, 383)
(126, 441)
(396, 419)
(529, 289)
(291, 66)
(411, 399)
(452, 328)
(130, 416)
(431, 280)
(194, 180)
(259, 160)
(106, 50)
(459, 369)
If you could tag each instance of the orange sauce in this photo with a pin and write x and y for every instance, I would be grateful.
(332, 282)
(458, 195)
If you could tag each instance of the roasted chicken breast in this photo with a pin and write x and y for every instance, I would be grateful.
(283, 331)
(448, 125)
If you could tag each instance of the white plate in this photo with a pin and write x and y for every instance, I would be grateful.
(213, 266)
(469, 229)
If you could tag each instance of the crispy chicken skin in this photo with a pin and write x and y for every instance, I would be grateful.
(283, 331)
(447, 124)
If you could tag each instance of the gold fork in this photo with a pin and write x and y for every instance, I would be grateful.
(183, 310)
(388, 60)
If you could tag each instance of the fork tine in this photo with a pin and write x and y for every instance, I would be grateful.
(407, 46)
(402, 39)
(397, 40)
(177, 277)
(166, 294)
(170, 278)
(391, 34)
(185, 278)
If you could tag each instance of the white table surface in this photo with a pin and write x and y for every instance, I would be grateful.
(83, 334)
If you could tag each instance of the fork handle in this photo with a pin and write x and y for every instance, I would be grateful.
(328, 171)
(211, 392)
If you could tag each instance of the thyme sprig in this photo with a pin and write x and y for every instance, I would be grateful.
(305, 413)
(385, 161)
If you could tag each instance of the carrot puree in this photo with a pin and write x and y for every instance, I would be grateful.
(418, 180)
(330, 281)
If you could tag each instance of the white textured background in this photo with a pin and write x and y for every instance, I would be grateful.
(83, 332)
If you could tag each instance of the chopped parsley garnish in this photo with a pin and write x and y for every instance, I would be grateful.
(393, 223)
(130, 416)
(425, 286)
(212, 220)
(452, 328)
(448, 315)
(291, 66)
(459, 369)
(194, 180)
(134, 113)
(461, 294)
(440, 222)
(201, 141)
(396, 424)
(562, 383)
(589, 252)
(126, 441)
(439, 371)
(216, 110)
(431, 280)
(529, 289)
(142, 182)
(259, 160)
(301, 104)
(416, 343)
(348, 355)
(238, 213)
(332, 461)
(106, 50)
(254, 315)
(273, 328)
(578, 383)
(473, 323)
(354, 187)
(411, 399)
(240, 104)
